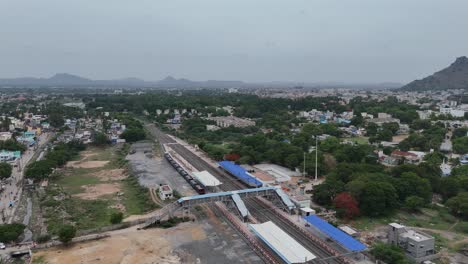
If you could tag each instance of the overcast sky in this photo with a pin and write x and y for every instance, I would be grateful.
(250, 40)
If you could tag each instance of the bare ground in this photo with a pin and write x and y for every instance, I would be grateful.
(92, 192)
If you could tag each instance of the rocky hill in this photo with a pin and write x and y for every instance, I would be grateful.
(453, 77)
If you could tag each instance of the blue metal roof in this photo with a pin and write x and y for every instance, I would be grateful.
(240, 173)
(208, 195)
(339, 236)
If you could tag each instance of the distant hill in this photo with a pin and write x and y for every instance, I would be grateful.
(453, 77)
(69, 80)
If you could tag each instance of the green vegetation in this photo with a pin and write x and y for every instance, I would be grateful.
(389, 254)
(430, 138)
(172, 222)
(66, 233)
(116, 218)
(137, 199)
(5, 170)
(57, 157)
(459, 204)
(460, 145)
(100, 139)
(85, 214)
(12, 145)
(62, 205)
(134, 129)
(10, 232)
(38, 260)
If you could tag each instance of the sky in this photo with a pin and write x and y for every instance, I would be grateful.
(251, 40)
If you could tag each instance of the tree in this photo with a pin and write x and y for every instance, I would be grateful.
(346, 205)
(393, 127)
(434, 158)
(66, 233)
(414, 203)
(116, 218)
(325, 193)
(372, 129)
(39, 169)
(378, 198)
(449, 187)
(133, 134)
(330, 144)
(459, 204)
(11, 232)
(5, 170)
(410, 184)
(389, 253)
(56, 120)
(460, 145)
(100, 139)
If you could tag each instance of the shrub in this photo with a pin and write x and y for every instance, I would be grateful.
(66, 233)
(116, 218)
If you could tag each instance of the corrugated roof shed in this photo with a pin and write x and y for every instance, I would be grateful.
(240, 173)
(206, 179)
(240, 205)
(339, 236)
(285, 246)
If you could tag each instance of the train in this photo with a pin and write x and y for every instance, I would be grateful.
(193, 182)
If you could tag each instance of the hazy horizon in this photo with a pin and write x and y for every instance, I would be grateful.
(362, 41)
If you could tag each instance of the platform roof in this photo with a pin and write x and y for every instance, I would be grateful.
(240, 173)
(279, 241)
(240, 205)
(206, 179)
(285, 199)
(339, 236)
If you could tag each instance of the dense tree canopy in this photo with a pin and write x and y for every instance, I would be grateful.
(5, 170)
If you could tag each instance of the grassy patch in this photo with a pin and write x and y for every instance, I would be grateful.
(359, 140)
(39, 260)
(440, 241)
(84, 214)
(367, 223)
(434, 218)
(74, 182)
(137, 199)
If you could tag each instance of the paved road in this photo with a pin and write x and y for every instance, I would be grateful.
(12, 192)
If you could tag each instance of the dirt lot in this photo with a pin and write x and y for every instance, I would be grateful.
(207, 241)
(92, 192)
(87, 164)
(149, 246)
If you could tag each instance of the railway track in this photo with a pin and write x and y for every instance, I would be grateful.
(256, 208)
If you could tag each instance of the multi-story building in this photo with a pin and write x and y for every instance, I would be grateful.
(416, 244)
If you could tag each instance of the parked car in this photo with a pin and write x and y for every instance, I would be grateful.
(2, 246)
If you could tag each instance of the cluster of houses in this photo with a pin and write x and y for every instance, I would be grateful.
(83, 130)
(327, 117)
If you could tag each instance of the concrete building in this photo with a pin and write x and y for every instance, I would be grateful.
(5, 136)
(226, 121)
(165, 192)
(416, 244)
(11, 156)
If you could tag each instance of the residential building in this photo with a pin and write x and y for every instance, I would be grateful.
(226, 121)
(5, 136)
(9, 156)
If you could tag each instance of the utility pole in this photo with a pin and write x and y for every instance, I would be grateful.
(303, 170)
(316, 156)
